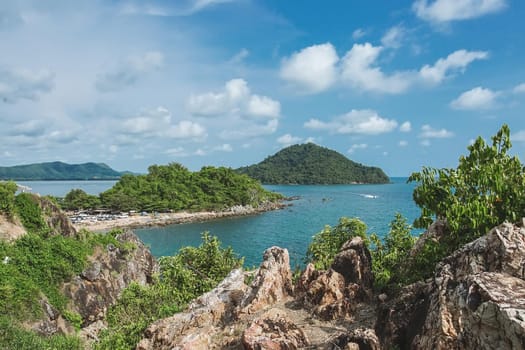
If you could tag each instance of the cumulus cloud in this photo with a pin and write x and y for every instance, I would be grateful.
(359, 69)
(263, 106)
(475, 99)
(394, 37)
(18, 84)
(128, 72)
(158, 123)
(405, 127)
(317, 68)
(403, 143)
(364, 121)
(358, 33)
(313, 69)
(235, 98)
(31, 128)
(440, 11)
(456, 61)
(355, 147)
(427, 132)
(519, 89)
(288, 139)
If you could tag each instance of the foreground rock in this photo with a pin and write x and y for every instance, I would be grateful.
(476, 300)
(110, 271)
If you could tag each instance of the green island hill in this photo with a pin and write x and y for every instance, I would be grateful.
(310, 164)
(59, 171)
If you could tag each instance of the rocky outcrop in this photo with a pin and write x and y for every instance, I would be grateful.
(55, 218)
(274, 331)
(273, 282)
(111, 269)
(211, 319)
(476, 299)
(331, 294)
(205, 313)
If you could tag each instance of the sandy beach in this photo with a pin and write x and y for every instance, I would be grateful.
(163, 219)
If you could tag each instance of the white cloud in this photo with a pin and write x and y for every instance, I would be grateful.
(288, 139)
(518, 136)
(186, 129)
(427, 132)
(264, 106)
(358, 33)
(355, 147)
(31, 128)
(18, 84)
(364, 121)
(129, 71)
(158, 123)
(425, 143)
(453, 10)
(131, 9)
(359, 70)
(456, 61)
(394, 37)
(476, 99)
(403, 143)
(316, 68)
(235, 98)
(519, 89)
(405, 127)
(199, 5)
(226, 147)
(313, 69)
(176, 152)
(240, 56)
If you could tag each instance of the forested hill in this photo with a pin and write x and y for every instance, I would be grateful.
(310, 164)
(59, 171)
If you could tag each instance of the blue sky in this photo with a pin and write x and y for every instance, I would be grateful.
(395, 84)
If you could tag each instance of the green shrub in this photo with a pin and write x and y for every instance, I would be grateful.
(327, 243)
(190, 273)
(390, 256)
(7, 198)
(30, 213)
(13, 336)
(486, 189)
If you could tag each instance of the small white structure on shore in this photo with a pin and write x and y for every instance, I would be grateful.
(23, 188)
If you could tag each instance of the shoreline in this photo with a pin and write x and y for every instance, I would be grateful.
(165, 219)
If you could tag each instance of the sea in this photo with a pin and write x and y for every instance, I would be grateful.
(314, 207)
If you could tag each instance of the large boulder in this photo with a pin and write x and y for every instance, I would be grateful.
(211, 319)
(476, 299)
(331, 294)
(272, 283)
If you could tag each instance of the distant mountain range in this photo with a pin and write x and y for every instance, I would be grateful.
(59, 171)
(310, 164)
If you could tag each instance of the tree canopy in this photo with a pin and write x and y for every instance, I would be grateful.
(310, 164)
(173, 187)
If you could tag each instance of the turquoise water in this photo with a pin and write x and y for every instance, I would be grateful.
(291, 228)
(61, 188)
(294, 226)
